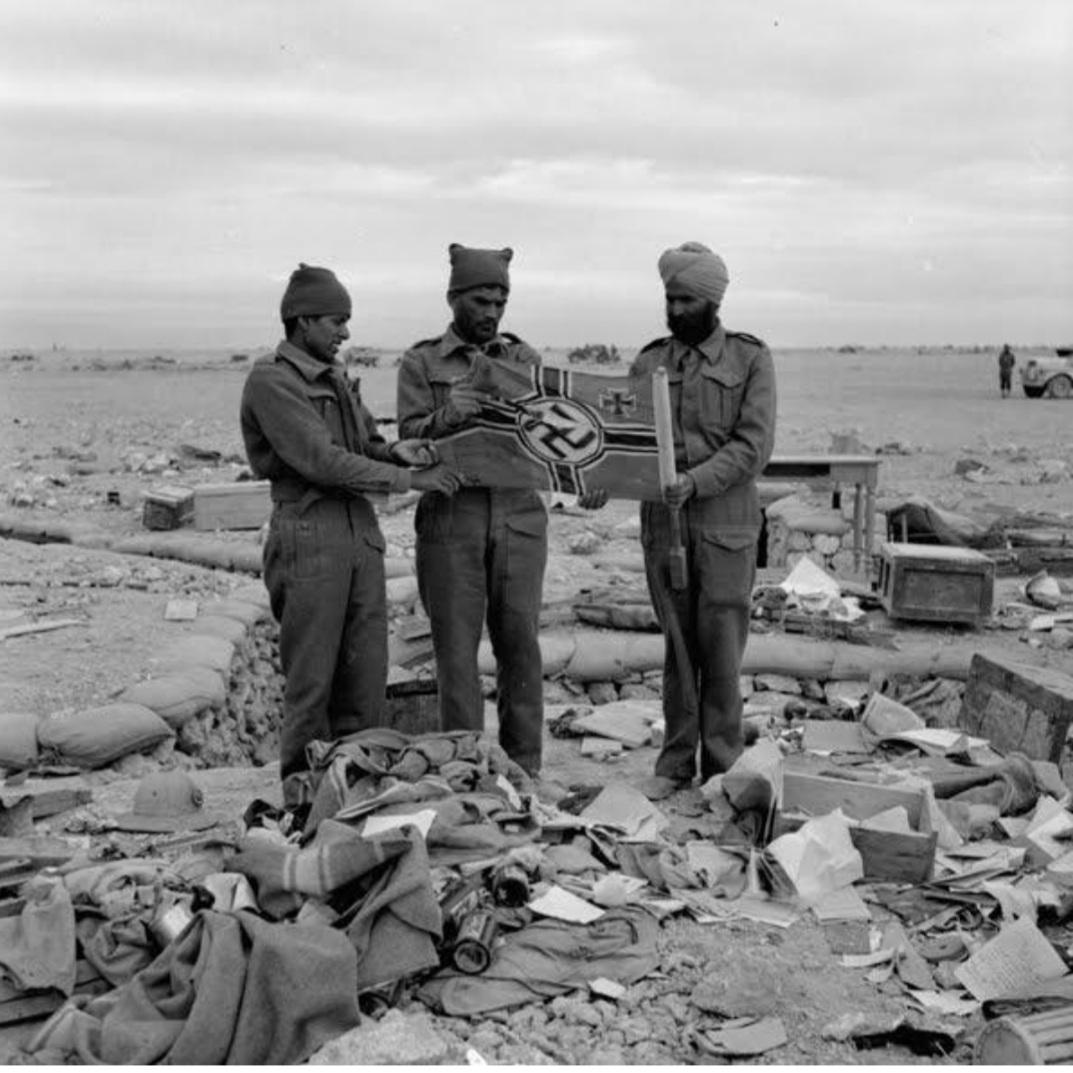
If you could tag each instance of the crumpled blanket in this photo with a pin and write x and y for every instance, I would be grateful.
(231, 989)
(550, 958)
(37, 947)
(117, 949)
(380, 887)
(344, 773)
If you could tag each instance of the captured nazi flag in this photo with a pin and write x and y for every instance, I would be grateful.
(558, 429)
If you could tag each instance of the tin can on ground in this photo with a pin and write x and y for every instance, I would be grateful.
(472, 951)
(510, 885)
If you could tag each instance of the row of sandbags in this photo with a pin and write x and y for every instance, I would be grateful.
(610, 656)
(188, 677)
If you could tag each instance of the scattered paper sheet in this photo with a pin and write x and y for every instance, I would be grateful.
(745, 1037)
(1014, 903)
(562, 905)
(378, 823)
(935, 741)
(883, 717)
(625, 809)
(843, 904)
(945, 1002)
(605, 988)
(833, 736)
(809, 579)
(1018, 957)
(819, 856)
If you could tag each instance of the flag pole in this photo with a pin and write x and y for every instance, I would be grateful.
(661, 401)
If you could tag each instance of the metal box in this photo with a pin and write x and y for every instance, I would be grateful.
(935, 583)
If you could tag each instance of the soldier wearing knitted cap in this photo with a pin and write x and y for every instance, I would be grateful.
(305, 430)
(480, 553)
(722, 387)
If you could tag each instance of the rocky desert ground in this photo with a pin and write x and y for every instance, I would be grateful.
(84, 434)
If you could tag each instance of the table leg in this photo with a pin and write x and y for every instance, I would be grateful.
(870, 522)
(858, 509)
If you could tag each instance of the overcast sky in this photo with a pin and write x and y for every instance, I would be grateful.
(889, 171)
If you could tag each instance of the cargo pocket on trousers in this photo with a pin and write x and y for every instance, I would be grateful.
(729, 564)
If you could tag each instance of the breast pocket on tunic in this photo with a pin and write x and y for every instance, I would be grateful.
(722, 387)
(327, 406)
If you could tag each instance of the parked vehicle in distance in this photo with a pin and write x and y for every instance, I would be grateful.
(1049, 376)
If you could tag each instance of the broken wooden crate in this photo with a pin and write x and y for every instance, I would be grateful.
(239, 505)
(1018, 707)
(933, 583)
(906, 857)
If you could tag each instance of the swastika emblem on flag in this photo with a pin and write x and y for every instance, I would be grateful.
(559, 429)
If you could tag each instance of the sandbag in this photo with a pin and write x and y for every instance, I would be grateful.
(219, 626)
(179, 696)
(401, 590)
(196, 650)
(252, 592)
(18, 740)
(247, 613)
(94, 737)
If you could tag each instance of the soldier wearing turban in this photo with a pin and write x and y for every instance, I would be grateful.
(722, 386)
(305, 430)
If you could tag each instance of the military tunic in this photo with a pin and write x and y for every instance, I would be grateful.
(481, 555)
(306, 431)
(723, 407)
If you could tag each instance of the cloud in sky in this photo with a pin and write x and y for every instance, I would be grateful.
(897, 171)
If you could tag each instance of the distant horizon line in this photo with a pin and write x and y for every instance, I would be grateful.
(11, 349)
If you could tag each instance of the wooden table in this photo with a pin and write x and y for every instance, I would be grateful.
(862, 471)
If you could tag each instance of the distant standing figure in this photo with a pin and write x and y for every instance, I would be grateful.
(306, 431)
(1006, 362)
(722, 387)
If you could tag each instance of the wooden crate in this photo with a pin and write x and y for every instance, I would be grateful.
(935, 583)
(1019, 708)
(168, 508)
(241, 505)
(886, 855)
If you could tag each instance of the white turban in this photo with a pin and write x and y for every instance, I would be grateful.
(694, 268)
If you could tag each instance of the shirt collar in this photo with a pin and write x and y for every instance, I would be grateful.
(451, 342)
(710, 349)
(306, 364)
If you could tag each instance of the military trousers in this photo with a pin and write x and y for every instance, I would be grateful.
(481, 555)
(705, 627)
(324, 570)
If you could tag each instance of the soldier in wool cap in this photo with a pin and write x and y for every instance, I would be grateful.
(722, 387)
(481, 553)
(306, 431)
